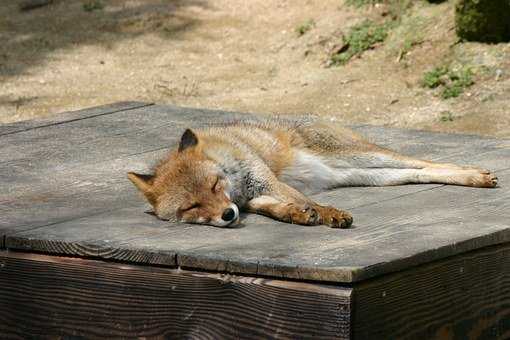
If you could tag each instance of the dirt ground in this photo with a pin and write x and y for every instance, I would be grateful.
(245, 56)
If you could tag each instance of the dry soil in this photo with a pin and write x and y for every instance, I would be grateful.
(246, 56)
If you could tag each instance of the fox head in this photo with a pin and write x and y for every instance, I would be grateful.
(189, 187)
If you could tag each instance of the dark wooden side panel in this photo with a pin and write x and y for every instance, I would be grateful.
(51, 297)
(464, 297)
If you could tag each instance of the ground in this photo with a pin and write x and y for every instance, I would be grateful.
(256, 56)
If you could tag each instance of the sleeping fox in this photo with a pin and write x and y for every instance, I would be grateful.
(268, 167)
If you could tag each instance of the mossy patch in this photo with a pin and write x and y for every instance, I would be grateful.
(305, 27)
(483, 20)
(446, 116)
(410, 33)
(92, 5)
(360, 3)
(361, 37)
(452, 82)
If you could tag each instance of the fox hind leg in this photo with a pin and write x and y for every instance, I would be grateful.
(347, 159)
(396, 176)
(385, 166)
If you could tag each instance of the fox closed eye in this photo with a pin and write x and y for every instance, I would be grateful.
(190, 207)
(215, 185)
(218, 184)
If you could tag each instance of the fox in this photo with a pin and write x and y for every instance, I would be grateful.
(271, 166)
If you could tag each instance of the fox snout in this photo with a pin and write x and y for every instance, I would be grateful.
(229, 217)
(218, 216)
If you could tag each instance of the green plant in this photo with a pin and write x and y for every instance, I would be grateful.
(434, 78)
(92, 5)
(446, 116)
(361, 37)
(453, 82)
(459, 80)
(451, 92)
(305, 27)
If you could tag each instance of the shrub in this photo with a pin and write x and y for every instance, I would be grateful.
(453, 82)
(361, 37)
(483, 20)
(434, 78)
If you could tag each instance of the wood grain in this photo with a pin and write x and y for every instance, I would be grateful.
(464, 297)
(64, 191)
(384, 239)
(47, 297)
(70, 116)
(411, 258)
(76, 163)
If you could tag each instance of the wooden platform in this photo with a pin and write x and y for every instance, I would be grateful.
(80, 257)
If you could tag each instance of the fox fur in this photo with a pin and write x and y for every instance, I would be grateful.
(269, 166)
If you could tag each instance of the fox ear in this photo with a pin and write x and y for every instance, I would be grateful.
(188, 140)
(144, 184)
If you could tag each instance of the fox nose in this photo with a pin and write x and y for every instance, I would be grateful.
(228, 215)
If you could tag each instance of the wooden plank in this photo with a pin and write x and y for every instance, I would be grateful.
(489, 153)
(72, 193)
(64, 172)
(51, 297)
(387, 236)
(93, 189)
(70, 116)
(90, 189)
(464, 297)
(75, 199)
(130, 133)
(93, 140)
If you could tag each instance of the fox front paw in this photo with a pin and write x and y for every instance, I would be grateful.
(303, 214)
(335, 218)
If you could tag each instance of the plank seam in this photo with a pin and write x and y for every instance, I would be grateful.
(111, 210)
(78, 119)
(14, 252)
(412, 193)
(420, 131)
(215, 274)
(123, 156)
(501, 238)
(63, 221)
(397, 197)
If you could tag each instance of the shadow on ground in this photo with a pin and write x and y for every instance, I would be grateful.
(27, 38)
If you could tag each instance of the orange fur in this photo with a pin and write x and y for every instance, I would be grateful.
(262, 167)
